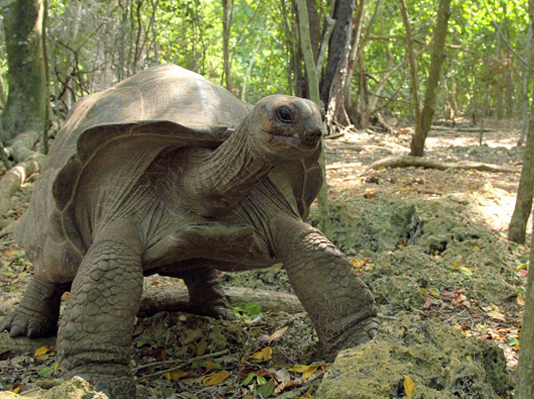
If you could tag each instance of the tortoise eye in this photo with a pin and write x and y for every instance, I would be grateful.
(286, 113)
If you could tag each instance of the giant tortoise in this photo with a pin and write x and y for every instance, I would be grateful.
(169, 173)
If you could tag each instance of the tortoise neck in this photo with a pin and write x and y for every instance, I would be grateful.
(217, 180)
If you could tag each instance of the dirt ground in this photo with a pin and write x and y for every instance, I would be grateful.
(431, 245)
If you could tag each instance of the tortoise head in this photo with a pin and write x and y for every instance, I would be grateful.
(285, 127)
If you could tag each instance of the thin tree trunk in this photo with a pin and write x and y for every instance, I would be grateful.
(355, 57)
(436, 60)
(525, 192)
(526, 72)
(307, 51)
(46, 123)
(227, 24)
(336, 74)
(525, 369)
(313, 85)
(410, 54)
(523, 205)
(499, 87)
(26, 102)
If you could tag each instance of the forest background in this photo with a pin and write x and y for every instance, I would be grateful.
(371, 63)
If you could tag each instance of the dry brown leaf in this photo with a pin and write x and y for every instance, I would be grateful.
(276, 335)
(178, 374)
(192, 336)
(215, 379)
(286, 385)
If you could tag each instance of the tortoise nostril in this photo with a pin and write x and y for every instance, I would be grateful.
(313, 136)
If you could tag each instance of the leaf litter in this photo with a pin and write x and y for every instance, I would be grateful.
(449, 287)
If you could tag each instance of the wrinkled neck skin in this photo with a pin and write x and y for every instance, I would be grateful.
(216, 180)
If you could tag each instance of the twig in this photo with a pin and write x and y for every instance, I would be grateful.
(387, 317)
(193, 359)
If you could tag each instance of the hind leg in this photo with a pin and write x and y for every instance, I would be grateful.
(38, 312)
(205, 293)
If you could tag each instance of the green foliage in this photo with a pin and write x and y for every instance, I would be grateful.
(248, 311)
(92, 45)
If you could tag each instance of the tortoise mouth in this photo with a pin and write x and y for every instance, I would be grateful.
(293, 141)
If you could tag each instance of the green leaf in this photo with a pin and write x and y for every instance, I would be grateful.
(46, 371)
(250, 309)
(249, 378)
(261, 380)
(265, 390)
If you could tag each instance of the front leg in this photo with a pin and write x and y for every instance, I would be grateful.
(95, 336)
(339, 304)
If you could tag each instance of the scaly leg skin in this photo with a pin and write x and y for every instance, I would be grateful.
(339, 304)
(206, 294)
(95, 336)
(37, 314)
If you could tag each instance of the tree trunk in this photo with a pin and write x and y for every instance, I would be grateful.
(525, 98)
(356, 58)
(307, 51)
(313, 87)
(410, 54)
(313, 23)
(499, 86)
(227, 23)
(26, 103)
(525, 192)
(436, 60)
(523, 205)
(525, 369)
(336, 74)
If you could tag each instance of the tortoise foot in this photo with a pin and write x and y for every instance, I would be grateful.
(28, 323)
(38, 312)
(216, 311)
(358, 334)
(115, 386)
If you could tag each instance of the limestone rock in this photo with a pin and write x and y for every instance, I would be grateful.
(438, 359)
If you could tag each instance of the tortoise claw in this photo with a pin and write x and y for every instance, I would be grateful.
(358, 334)
(217, 312)
(27, 323)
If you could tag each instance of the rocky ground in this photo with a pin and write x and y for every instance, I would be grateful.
(431, 245)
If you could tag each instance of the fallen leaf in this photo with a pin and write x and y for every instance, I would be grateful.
(494, 314)
(215, 379)
(178, 374)
(308, 371)
(286, 385)
(65, 296)
(210, 365)
(409, 386)
(265, 354)
(466, 271)
(40, 351)
(276, 335)
(46, 371)
(192, 336)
